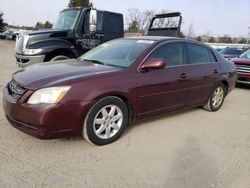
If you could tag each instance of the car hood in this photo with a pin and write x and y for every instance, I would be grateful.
(48, 31)
(241, 61)
(56, 73)
(37, 39)
(229, 56)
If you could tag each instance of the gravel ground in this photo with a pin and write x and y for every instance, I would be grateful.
(191, 149)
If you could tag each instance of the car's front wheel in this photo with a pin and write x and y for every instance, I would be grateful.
(105, 121)
(216, 100)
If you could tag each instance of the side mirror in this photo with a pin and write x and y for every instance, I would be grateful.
(152, 64)
(92, 20)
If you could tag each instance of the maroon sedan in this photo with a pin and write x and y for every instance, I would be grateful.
(243, 67)
(118, 82)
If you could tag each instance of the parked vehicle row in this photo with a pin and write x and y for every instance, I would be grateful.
(241, 58)
(232, 52)
(9, 35)
(243, 67)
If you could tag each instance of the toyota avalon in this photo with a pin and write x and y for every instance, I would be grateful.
(116, 83)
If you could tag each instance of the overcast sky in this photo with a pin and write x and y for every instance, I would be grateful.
(216, 17)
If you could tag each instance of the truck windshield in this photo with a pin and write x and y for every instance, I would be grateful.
(66, 19)
(120, 52)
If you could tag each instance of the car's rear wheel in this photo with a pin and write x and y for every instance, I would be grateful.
(216, 100)
(105, 121)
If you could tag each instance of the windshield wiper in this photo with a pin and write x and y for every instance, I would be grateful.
(95, 61)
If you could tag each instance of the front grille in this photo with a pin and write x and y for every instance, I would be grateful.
(15, 90)
(244, 79)
(243, 68)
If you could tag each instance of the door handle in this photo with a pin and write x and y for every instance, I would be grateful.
(184, 76)
(215, 71)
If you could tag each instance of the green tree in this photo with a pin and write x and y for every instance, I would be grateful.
(48, 24)
(134, 27)
(211, 40)
(199, 38)
(243, 41)
(80, 3)
(2, 24)
(38, 25)
(225, 39)
(181, 34)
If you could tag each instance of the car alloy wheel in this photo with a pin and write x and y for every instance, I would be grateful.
(108, 121)
(216, 100)
(218, 97)
(105, 121)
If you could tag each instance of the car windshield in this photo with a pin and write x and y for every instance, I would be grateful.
(120, 52)
(246, 54)
(66, 19)
(231, 51)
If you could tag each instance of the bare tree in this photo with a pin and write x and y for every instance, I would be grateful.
(165, 22)
(141, 18)
(147, 16)
(190, 33)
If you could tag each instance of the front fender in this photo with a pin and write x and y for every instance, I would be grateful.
(49, 45)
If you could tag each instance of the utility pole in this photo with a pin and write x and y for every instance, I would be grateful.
(248, 36)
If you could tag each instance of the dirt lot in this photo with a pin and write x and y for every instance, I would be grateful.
(194, 149)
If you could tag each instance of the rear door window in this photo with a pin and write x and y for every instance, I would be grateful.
(199, 55)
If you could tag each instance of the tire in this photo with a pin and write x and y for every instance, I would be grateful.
(59, 57)
(105, 121)
(216, 100)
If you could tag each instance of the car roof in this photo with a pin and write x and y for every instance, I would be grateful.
(163, 38)
(155, 38)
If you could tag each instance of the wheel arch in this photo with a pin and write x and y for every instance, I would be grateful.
(121, 96)
(62, 51)
(225, 83)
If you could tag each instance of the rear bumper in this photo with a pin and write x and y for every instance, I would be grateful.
(46, 121)
(23, 61)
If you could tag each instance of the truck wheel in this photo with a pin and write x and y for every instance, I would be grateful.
(105, 121)
(216, 100)
(59, 57)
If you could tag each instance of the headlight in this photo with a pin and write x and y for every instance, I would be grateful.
(32, 51)
(51, 95)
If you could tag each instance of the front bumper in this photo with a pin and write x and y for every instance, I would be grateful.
(45, 120)
(23, 61)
